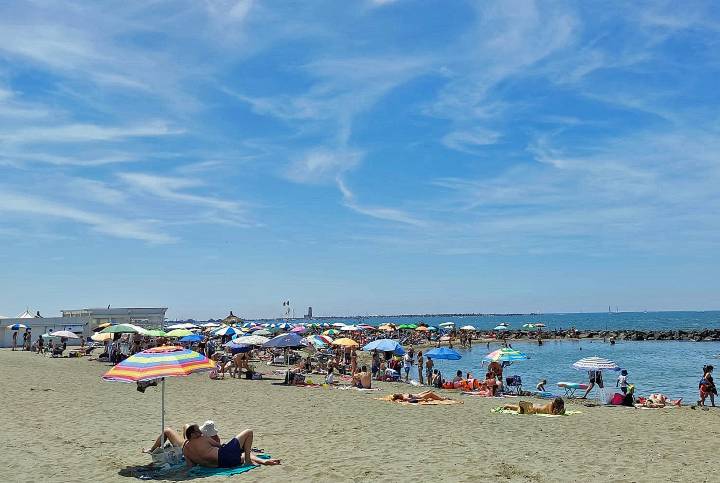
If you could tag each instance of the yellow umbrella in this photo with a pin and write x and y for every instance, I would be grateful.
(179, 333)
(345, 342)
(386, 327)
(422, 328)
(101, 337)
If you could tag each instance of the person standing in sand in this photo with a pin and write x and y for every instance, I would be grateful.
(429, 368)
(353, 362)
(707, 387)
(420, 366)
(408, 361)
(15, 332)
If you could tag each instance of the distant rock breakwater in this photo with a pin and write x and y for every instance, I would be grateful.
(703, 335)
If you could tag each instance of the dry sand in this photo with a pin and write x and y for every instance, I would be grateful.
(61, 422)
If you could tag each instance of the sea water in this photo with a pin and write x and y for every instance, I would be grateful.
(671, 367)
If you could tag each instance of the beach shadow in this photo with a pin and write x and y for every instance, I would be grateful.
(150, 472)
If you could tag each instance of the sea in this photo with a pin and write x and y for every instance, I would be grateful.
(670, 367)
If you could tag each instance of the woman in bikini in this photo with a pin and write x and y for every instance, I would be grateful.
(557, 406)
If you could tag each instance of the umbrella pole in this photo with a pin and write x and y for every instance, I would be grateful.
(162, 414)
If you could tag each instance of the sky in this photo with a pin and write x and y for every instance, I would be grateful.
(364, 157)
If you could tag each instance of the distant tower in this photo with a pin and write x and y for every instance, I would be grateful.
(309, 314)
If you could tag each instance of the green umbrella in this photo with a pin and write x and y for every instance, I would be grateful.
(156, 333)
(407, 326)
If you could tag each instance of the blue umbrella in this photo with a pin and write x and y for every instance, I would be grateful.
(192, 338)
(385, 345)
(236, 347)
(17, 326)
(443, 353)
(290, 339)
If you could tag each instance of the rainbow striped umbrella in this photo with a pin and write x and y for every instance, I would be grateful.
(505, 354)
(159, 363)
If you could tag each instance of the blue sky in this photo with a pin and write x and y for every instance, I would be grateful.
(360, 157)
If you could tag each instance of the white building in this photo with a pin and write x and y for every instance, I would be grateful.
(81, 322)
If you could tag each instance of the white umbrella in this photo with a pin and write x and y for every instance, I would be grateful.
(350, 328)
(501, 327)
(210, 324)
(595, 364)
(251, 340)
(184, 325)
(338, 324)
(468, 327)
(447, 324)
(65, 333)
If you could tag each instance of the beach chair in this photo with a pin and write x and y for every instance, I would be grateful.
(571, 387)
(514, 384)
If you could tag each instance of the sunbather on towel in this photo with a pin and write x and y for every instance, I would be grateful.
(204, 451)
(557, 406)
(177, 439)
(420, 397)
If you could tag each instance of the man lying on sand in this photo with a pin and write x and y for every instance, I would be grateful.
(177, 439)
(205, 451)
(557, 406)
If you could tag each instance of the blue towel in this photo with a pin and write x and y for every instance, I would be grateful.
(202, 472)
(153, 473)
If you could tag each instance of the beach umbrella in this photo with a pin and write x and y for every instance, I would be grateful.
(447, 324)
(595, 364)
(17, 326)
(345, 342)
(528, 326)
(539, 324)
(65, 333)
(207, 325)
(385, 345)
(443, 353)
(367, 327)
(387, 327)
(226, 331)
(331, 332)
(182, 325)
(339, 324)
(262, 332)
(236, 347)
(500, 327)
(505, 354)
(155, 333)
(505, 324)
(97, 337)
(179, 333)
(123, 329)
(191, 338)
(324, 338)
(423, 328)
(251, 340)
(432, 329)
(299, 330)
(159, 363)
(285, 326)
(350, 328)
(285, 341)
(101, 326)
(468, 327)
(325, 324)
(407, 326)
(315, 341)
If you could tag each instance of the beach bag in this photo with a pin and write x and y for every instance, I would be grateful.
(170, 455)
(617, 399)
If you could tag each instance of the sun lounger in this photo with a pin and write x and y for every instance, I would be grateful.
(571, 387)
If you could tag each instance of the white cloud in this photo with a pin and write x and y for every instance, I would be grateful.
(467, 141)
(379, 212)
(70, 133)
(322, 165)
(107, 224)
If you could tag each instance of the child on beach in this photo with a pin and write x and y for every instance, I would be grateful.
(707, 386)
(541, 385)
(622, 381)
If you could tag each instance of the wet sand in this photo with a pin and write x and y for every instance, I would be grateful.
(61, 422)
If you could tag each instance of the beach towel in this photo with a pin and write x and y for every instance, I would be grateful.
(502, 410)
(446, 402)
(152, 472)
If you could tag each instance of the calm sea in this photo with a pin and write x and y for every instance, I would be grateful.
(671, 367)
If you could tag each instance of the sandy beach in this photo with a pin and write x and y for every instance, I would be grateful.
(61, 422)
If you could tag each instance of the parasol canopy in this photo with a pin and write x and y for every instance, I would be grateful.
(407, 326)
(423, 328)
(468, 327)
(164, 361)
(17, 326)
(595, 364)
(179, 333)
(345, 342)
(226, 331)
(447, 324)
(290, 339)
(155, 333)
(387, 327)
(385, 345)
(65, 333)
(183, 325)
(191, 338)
(501, 327)
(100, 337)
(443, 353)
(123, 329)
(505, 354)
(251, 340)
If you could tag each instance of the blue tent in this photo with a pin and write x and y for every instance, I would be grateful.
(192, 338)
(290, 339)
(443, 353)
(385, 345)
